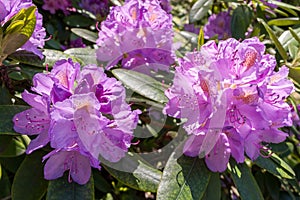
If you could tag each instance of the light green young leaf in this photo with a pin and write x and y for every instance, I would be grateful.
(284, 21)
(183, 178)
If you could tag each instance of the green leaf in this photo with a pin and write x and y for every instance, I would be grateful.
(12, 42)
(18, 30)
(238, 26)
(286, 38)
(135, 173)
(86, 34)
(86, 55)
(274, 38)
(78, 21)
(274, 168)
(142, 84)
(200, 37)
(51, 56)
(29, 182)
(284, 5)
(199, 9)
(4, 185)
(26, 57)
(284, 21)
(244, 181)
(7, 112)
(100, 183)
(12, 164)
(183, 178)
(12, 146)
(62, 189)
(214, 187)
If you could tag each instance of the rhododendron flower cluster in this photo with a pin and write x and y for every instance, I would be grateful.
(232, 99)
(218, 24)
(11, 8)
(82, 114)
(137, 33)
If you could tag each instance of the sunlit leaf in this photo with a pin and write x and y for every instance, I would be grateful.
(86, 34)
(183, 178)
(142, 84)
(86, 55)
(199, 9)
(284, 21)
(12, 146)
(29, 182)
(274, 38)
(244, 181)
(135, 173)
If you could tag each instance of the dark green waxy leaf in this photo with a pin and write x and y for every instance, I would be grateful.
(135, 173)
(199, 9)
(29, 182)
(183, 178)
(7, 112)
(12, 164)
(4, 185)
(26, 57)
(239, 27)
(276, 166)
(284, 21)
(86, 55)
(5, 97)
(12, 146)
(62, 189)
(244, 181)
(86, 34)
(100, 183)
(78, 21)
(213, 190)
(274, 38)
(142, 84)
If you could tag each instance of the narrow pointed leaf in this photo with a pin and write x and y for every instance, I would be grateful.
(142, 84)
(183, 178)
(244, 181)
(29, 182)
(284, 21)
(200, 37)
(274, 38)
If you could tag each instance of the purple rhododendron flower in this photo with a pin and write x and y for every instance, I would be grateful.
(218, 24)
(232, 99)
(11, 8)
(133, 30)
(98, 7)
(84, 116)
(53, 5)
